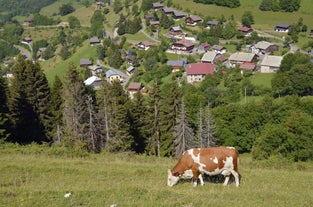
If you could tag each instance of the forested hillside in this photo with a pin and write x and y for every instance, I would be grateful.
(46, 96)
(9, 8)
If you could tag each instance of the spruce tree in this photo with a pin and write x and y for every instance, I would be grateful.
(104, 115)
(30, 103)
(75, 113)
(184, 136)
(56, 108)
(154, 127)
(170, 108)
(4, 110)
(120, 136)
(138, 122)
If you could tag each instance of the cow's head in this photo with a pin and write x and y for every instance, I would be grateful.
(171, 179)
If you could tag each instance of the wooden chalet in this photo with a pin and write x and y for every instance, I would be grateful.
(183, 45)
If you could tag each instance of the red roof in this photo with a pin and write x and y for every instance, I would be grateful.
(134, 86)
(245, 29)
(247, 65)
(200, 69)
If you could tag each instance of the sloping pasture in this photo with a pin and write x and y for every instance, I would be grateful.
(41, 176)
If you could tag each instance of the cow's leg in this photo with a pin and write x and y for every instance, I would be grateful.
(226, 174)
(236, 175)
(201, 179)
(195, 177)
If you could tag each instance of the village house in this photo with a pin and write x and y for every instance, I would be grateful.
(145, 45)
(238, 58)
(193, 20)
(264, 47)
(196, 72)
(154, 23)
(281, 27)
(245, 30)
(178, 15)
(219, 49)
(209, 57)
(130, 70)
(93, 81)
(134, 87)
(270, 63)
(176, 31)
(183, 45)
(203, 47)
(27, 40)
(247, 66)
(114, 75)
(168, 11)
(211, 24)
(157, 5)
(85, 62)
(177, 65)
(95, 70)
(94, 41)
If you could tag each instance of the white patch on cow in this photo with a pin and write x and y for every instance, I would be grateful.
(228, 164)
(215, 160)
(187, 174)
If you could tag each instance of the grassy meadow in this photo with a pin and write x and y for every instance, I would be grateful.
(41, 176)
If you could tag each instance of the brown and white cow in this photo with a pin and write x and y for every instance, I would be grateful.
(210, 161)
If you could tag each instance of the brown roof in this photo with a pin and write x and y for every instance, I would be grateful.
(200, 69)
(184, 42)
(245, 29)
(134, 86)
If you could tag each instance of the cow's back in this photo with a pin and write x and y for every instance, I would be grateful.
(213, 159)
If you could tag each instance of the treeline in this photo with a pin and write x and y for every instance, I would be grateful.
(173, 117)
(280, 5)
(22, 7)
(226, 3)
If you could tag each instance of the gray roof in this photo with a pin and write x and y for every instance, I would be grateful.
(217, 47)
(263, 45)
(180, 62)
(271, 60)
(242, 57)
(112, 72)
(130, 69)
(176, 28)
(85, 61)
(212, 23)
(209, 56)
(286, 26)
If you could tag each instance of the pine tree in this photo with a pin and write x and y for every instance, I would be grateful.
(154, 127)
(75, 113)
(138, 122)
(30, 103)
(206, 129)
(184, 136)
(56, 108)
(104, 115)
(170, 108)
(4, 110)
(120, 137)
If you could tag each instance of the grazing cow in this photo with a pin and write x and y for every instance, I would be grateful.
(210, 161)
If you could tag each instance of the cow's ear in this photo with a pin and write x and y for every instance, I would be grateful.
(169, 172)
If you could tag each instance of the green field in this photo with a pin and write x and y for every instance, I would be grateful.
(41, 176)
(263, 20)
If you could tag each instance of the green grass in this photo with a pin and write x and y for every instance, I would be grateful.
(262, 79)
(56, 66)
(40, 176)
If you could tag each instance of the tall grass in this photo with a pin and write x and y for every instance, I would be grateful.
(41, 176)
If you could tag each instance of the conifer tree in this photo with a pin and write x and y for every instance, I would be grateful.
(138, 122)
(169, 112)
(120, 137)
(30, 103)
(184, 136)
(75, 113)
(104, 114)
(56, 108)
(154, 127)
(4, 110)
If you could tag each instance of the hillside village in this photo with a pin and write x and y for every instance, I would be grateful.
(134, 76)
(259, 57)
